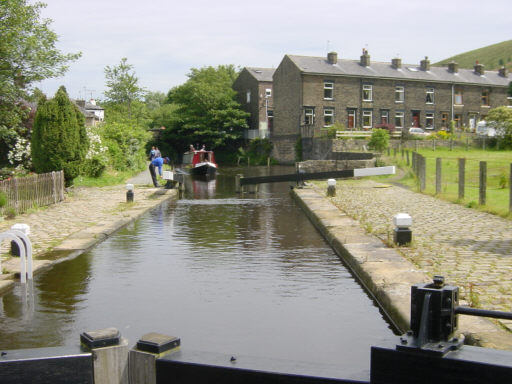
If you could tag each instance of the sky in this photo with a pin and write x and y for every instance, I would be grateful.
(164, 39)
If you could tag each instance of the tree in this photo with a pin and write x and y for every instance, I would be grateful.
(27, 55)
(123, 85)
(207, 112)
(510, 89)
(501, 119)
(59, 138)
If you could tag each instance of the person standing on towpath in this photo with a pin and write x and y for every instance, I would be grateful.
(157, 162)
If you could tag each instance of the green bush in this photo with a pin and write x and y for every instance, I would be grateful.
(94, 167)
(126, 144)
(379, 140)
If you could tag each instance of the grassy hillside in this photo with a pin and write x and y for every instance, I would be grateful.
(493, 57)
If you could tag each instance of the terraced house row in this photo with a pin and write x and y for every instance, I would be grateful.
(310, 94)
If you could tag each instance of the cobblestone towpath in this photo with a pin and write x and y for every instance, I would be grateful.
(471, 249)
(86, 217)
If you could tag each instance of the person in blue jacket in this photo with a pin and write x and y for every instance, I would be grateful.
(157, 162)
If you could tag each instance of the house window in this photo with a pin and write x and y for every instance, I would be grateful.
(268, 92)
(399, 94)
(429, 120)
(248, 96)
(384, 117)
(328, 90)
(309, 114)
(399, 119)
(430, 96)
(458, 120)
(485, 97)
(367, 119)
(328, 117)
(367, 92)
(458, 96)
(351, 119)
(444, 119)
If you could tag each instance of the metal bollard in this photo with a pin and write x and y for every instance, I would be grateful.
(25, 228)
(331, 187)
(402, 232)
(129, 193)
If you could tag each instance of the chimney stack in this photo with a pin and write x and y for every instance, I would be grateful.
(365, 58)
(479, 69)
(503, 72)
(425, 64)
(332, 57)
(396, 63)
(453, 67)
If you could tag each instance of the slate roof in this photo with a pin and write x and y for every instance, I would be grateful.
(261, 74)
(320, 66)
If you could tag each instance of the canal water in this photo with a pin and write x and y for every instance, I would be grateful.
(244, 275)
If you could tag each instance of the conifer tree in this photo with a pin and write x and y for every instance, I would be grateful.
(59, 138)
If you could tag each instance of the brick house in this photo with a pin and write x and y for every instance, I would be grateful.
(312, 93)
(254, 93)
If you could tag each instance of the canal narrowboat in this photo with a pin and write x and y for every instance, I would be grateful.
(200, 163)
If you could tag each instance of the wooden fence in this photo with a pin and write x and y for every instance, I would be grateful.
(476, 182)
(24, 193)
(368, 134)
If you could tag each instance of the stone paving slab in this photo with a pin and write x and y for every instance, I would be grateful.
(388, 272)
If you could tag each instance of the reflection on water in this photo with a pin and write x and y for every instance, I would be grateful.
(241, 275)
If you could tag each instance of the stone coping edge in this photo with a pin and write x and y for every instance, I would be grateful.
(85, 239)
(385, 274)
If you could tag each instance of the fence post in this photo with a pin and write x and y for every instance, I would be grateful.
(423, 172)
(451, 143)
(54, 189)
(510, 190)
(462, 170)
(467, 143)
(438, 175)
(407, 153)
(434, 144)
(16, 196)
(483, 182)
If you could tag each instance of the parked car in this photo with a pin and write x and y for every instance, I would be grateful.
(418, 132)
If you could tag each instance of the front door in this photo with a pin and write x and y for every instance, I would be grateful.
(415, 119)
(351, 123)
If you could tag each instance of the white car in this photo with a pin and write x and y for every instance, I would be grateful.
(418, 132)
